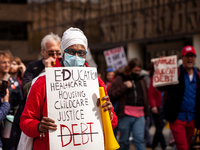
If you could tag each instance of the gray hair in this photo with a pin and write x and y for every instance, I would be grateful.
(50, 38)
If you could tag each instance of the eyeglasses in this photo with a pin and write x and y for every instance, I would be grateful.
(52, 53)
(80, 53)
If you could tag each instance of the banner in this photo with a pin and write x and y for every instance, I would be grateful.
(166, 72)
(115, 58)
(72, 94)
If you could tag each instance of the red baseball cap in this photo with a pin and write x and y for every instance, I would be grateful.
(188, 49)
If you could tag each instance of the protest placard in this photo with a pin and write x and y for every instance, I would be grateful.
(166, 72)
(115, 58)
(72, 94)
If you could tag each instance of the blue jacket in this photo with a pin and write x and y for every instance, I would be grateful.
(4, 109)
(174, 98)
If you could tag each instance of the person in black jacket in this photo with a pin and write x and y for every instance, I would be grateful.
(182, 102)
(50, 50)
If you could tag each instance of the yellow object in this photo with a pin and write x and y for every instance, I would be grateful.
(110, 142)
(167, 125)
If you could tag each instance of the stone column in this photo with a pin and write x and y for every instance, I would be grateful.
(196, 44)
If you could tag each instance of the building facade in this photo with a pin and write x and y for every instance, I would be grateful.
(145, 28)
(14, 23)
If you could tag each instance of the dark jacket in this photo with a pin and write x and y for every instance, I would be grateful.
(15, 95)
(33, 69)
(119, 92)
(4, 109)
(174, 99)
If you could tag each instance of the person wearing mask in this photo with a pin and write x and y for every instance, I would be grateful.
(74, 47)
(130, 89)
(181, 106)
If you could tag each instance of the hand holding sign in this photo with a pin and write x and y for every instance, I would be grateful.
(72, 94)
(46, 124)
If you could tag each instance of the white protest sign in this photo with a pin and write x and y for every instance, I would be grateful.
(166, 72)
(115, 58)
(72, 94)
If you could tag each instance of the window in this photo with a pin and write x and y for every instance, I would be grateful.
(14, 1)
(13, 30)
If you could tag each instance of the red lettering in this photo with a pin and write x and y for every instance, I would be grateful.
(171, 77)
(74, 134)
(90, 129)
(163, 71)
(61, 128)
(84, 127)
(174, 69)
(106, 53)
(157, 71)
(83, 131)
(166, 78)
(114, 51)
(169, 61)
(162, 61)
(173, 62)
(156, 79)
(162, 78)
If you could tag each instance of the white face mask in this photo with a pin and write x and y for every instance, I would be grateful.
(73, 61)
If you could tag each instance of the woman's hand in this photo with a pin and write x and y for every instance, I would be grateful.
(107, 105)
(128, 84)
(46, 124)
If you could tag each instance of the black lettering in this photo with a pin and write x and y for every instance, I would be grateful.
(56, 79)
(55, 105)
(52, 86)
(64, 74)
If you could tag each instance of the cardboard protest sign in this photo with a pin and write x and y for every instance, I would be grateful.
(166, 72)
(115, 58)
(72, 94)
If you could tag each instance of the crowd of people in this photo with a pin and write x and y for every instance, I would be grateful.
(137, 100)
(131, 98)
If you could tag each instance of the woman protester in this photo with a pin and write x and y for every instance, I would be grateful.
(34, 120)
(130, 89)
